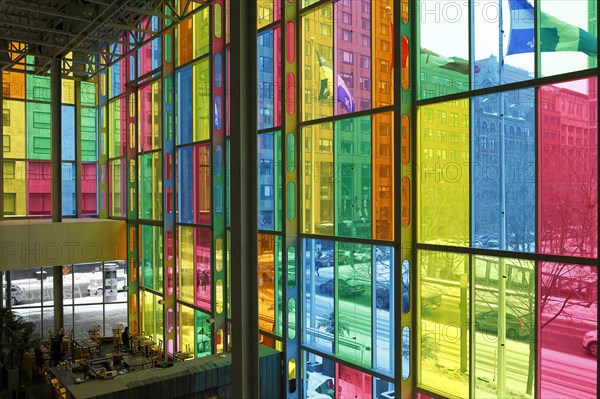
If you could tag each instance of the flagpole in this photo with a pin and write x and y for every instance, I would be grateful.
(501, 383)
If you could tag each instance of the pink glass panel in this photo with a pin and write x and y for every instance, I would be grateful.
(202, 268)
(88, 189)
(290, 42)
(277, 75)
(145, 54)
(568, 170)
(567, 331)
(228, 90)
(39, 188)
(352, 383)
(276, 10)
(123, 124)
(145, 120)
(291, 94)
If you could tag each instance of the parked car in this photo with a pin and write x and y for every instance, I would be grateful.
(325, 260)
(95, 286)
(362, 256)
(346, 287)
(382, 296)
(590, 342)
(17, 295)
(516, 328)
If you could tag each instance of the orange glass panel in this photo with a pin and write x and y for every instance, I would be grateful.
(382, 151)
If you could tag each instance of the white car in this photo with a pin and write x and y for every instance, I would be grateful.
(17, 294)
(590, 342)
(95, 286)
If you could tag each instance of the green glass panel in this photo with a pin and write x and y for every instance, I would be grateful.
(291, 198)
(185, 245)
(291, 152)
(38, 88)
(151, 254)
(443, 174)
(88, 93)
(291, 266)
(115, 145)
(38, 131)
(201, 100)
(88, 134)
(202, 329)
(515, 298)
(353, 182)
(443, 315)
(168, 47)
(353, 321)
(318, 179)
(150, 186)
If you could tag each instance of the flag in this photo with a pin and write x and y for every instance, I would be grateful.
(453, 63)
(555, 35)
(326, 89)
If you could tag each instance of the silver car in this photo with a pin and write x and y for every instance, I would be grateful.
(17, 294)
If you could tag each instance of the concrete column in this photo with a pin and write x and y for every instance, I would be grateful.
(244, 234)
(56, 128)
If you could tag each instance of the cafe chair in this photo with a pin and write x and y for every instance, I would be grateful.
(66, 343)
(156, 351)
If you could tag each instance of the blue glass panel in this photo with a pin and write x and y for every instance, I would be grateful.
(266, 187)
(405, 352)
(184, 105)
(383, 331)
(405, 286)
(265, 79)
(69, 203)
(218, 113)
(132, 70)
(185, 185)
(218, 161)
(503, 173)
(68, 132)
(116, 79)
(219, 200)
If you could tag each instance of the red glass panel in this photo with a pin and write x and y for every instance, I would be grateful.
(352, 383)
(39, 188)
(88, 189)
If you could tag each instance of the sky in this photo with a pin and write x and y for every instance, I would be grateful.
(444, 29)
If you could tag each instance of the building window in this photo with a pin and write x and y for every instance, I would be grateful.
(326, 30)
(346, 57)
(346, 35)
(366, 40)
(348, 79)
(365, 61)
(347, 18)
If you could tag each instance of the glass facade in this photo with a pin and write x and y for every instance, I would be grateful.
(427, 183)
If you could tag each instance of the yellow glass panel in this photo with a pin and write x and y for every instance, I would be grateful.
(318, 179)
(68, 91)
(266, 282)
(201, 100)
(264, 13)
(443, 339)
(15, 188)
(13, 119)
(186, 330)
(443, 184)
(219, 296)
(201, 32)
(383, 176)
(186, 263)
(317, 61)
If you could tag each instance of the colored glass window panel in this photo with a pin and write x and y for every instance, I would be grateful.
(13, 125)
(38, 131)
(269, 283)
(89, 134)
(319, 315)
(351, 289)
(202, 180)
(38, 88)
(116, 185)
(443, 348)
(269, 181)
(117, 127)
(443, 180)
(202, 327)
(185, 259)
(382, 150)
(13, 85)
(321, 82)
(352, 48)
(184, 37)
(353, 181)
(184, 105)
(150, 127)
(89, 200)
(201, 100)
(67, 91)
(383, 331)
(202, 270)
(185, 185)
(352, 383)
(318, 179)
(116, 79)
(88, 94)
(567, 306)
(443, 65)
(69, 203)
(568, 36)
(324, 384)
(151, 257)
(381, 40)
(150, 186)
(267, 70)
(68, 133)
(512, 298)
(185, 315)
(503, 169)
(39, 189)
(568, 168)
(266, 12)
(151, 314)
(405, 352)
(201, 34)
(15, 188)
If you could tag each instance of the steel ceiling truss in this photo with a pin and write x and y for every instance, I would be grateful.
(99, 32)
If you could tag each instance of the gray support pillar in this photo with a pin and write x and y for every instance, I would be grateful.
(56, 128)
(244, 233)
